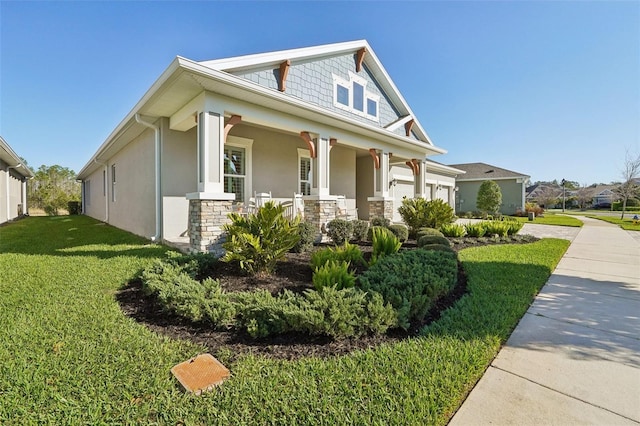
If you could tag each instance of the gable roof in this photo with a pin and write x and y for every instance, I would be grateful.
(185, 79)
(274, 59)
(9, 156)
(483, 171)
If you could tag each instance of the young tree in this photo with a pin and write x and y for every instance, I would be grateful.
(52, 188)
(548, 196)
(584, 196)
(630, 173)
(489, 197)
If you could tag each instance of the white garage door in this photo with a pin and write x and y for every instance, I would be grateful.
(402, 189)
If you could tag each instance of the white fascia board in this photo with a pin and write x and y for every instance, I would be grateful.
(247, 61)
(255, 88)
(13, 160)
(129, 119)
(399, 122)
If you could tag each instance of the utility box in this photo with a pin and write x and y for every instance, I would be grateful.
(532, 216)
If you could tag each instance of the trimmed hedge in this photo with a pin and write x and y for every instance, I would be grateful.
(412, 281)
(433, 239)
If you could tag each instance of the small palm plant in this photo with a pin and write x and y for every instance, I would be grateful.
(259, 240)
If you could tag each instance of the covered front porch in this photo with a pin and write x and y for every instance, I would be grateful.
(239, 155)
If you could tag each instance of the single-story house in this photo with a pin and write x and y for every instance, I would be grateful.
(512, 185)
(322, 128)
(13, 183)
(604, 195)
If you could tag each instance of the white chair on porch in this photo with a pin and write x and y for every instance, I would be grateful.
(293, 208)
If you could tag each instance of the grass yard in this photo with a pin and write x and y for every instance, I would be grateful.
(69, 355)
(626, 223)
(553, 219)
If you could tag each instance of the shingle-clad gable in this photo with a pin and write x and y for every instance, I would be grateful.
(483, 171)
(313, 82)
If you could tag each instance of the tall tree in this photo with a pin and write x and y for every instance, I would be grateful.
(489, 197)
(630, 173)
(52, 188)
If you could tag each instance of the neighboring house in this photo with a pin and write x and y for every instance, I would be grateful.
(547, 195)
(512, 185)
(604, 195)
(13, 184)
(324, 125)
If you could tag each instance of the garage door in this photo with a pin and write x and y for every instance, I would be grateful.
(402, 189)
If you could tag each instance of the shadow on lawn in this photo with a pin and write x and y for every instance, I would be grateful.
(74, 236)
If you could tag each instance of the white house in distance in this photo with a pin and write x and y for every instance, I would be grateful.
(323, 128)
(13, 183)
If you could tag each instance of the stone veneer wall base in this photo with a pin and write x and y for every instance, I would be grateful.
(381, 208)
(206, 218)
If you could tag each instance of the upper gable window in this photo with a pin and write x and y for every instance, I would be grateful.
(352, 95)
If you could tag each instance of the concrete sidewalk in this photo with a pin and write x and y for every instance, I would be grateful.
(574, 358)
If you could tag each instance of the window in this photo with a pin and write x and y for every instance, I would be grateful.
(113, 182)
(304, 172)
(235, 171)
(352, 95)
(237, 167)
(342, 95)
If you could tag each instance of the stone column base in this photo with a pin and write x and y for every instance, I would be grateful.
(206, 218)
(381, 208)
(319, 212)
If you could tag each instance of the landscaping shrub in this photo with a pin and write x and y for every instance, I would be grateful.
(437, 247)
(360, 228)
(494, 227)
(259, 240)
(418, 213)
(400, 231)
(428, 231)
(349, 253)
(380, 221)
(513, 226)
(339, 230)
(533, 207)
(384, 243)
(333, 274)
(452, 230)
(433, 239)
(475, 230)
(74, 207)
(412, 281)
(307, 232)
(371, 229)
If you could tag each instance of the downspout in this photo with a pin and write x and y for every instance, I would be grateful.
(105, 189)
(158, 200)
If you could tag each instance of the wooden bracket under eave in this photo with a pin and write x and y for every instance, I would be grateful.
(284, 71)
(332, 143)
(411, 166)
(376, 158)
(416, 166)
(360, 58)
(407, 127)
(233, 120)
(312, 146)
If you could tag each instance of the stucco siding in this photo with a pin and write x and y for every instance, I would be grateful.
(343, 172)
(94, 195)
(179, 177)
(4, 197)
(134, 205)
(312, 81)
(12, 199)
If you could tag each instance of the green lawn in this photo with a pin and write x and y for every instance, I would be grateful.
(626, 223)
(552, 219)
(69, 355)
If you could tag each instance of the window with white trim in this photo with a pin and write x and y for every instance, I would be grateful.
(352, 95)
(304, 172)
(237, 167)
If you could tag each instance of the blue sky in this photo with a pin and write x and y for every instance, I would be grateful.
(549, 89)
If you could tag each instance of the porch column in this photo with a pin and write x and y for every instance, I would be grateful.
(381, 204)
(419, 183)
(321, 167)
(209, 207)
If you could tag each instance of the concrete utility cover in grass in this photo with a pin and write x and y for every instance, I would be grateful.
(201, 373)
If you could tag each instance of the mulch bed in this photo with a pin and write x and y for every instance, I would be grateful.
(293, 274)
